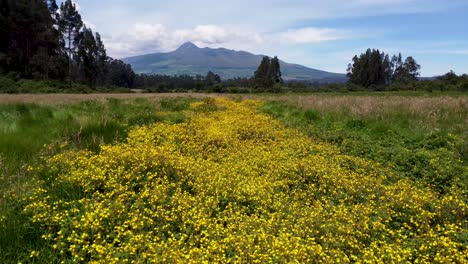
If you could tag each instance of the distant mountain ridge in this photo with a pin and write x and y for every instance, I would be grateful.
(192, 60)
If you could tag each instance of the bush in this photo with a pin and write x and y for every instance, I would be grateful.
(7, 85)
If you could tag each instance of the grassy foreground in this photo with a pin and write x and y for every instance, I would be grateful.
(215, 180)
(29, 132)
(421, 138)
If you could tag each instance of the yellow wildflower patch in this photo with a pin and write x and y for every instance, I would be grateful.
(232, 185)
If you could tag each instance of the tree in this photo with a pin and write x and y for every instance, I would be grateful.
(268, 73)
(53, 7)
(120, 74)
(38, 39)
(274, 71)
(369, 69)
(375, 68)
(101, 60)
(261, 74)
(212, 79)
(387, 69)
(412, 68)
(87, 56)
(25, 37)
(4, 33)
(406, 72)
(70, 24)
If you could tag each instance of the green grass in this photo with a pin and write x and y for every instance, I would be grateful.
(415, 145)
(420, 138)
(29, 131)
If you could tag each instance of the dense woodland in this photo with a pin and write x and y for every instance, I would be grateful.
(48, 48)
(43, 41)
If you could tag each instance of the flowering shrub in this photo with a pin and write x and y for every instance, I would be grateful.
(234, 185)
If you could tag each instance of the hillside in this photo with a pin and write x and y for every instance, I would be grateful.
(192, 60)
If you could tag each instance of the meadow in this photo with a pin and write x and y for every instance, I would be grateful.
(234, 179)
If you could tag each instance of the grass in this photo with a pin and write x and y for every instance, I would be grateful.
(29, 131)
(423, 138)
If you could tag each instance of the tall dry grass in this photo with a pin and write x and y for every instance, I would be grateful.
(428, 111)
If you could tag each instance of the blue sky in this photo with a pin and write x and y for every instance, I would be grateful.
(319, 34)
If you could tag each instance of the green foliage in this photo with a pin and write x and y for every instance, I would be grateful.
(435, 155)
(38, 42)
(29, 131)
(268, 73)
(374, 69)
(28, 38)
(7, 85)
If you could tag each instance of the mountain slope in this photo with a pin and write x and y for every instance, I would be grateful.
(192, 60)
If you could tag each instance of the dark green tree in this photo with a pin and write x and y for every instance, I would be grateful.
(102, 60)
(450, 77)
(261, 79)
(412, 68)
(406, 72)
(87, 57)
(375, 69)
(39, 40)
(4, 33)
(70, 24)
(53, 7)
(369, 69)
(120, 74)
(212, 78)
(25, 36)
(274, 71)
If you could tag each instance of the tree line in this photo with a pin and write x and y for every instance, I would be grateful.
(375, 68)
(376, 71)
(267, 77)
(44, 41)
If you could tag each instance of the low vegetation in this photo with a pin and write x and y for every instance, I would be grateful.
(30, 131)
(288, 178)
(421, 138)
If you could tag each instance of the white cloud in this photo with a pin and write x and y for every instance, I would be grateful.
(205, 34)
(148, 38)
(145, 32)
(313, 35)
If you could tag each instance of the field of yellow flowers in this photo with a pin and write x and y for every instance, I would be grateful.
(232, 185)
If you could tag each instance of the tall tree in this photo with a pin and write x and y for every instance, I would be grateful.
(261, 74)
(53, 8)
(374, 68)
(370, 68)
(102, 60)
(87, 56)
(120, 74)
(407, 71)
(412, 68)
(274, 71)
(4, 33)
(25, 36)
(70, 24)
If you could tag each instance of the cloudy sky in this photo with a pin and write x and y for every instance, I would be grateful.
(316, 33)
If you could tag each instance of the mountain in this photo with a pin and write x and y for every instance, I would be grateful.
(192, 60)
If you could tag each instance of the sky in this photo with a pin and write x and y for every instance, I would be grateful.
(319, 34)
